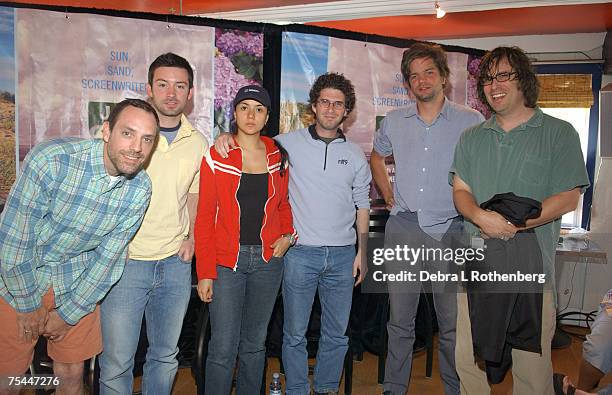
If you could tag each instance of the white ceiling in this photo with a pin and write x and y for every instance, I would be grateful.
(358, 9)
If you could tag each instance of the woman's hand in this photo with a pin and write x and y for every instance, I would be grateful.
(205, 289)
(280, 246)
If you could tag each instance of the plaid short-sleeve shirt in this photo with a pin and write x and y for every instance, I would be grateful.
(66, 225)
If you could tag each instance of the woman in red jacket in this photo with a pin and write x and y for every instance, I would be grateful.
(243, 229)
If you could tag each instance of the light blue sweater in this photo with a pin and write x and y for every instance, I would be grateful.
(327, 183)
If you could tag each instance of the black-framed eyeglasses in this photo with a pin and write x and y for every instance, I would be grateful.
(338, 105)
(500, 77)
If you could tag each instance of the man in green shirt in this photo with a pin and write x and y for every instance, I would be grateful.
(522, 150)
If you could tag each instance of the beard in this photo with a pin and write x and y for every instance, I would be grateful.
(426, 98)
(330, 124)
(170, 112)
(434, 91)
(124, 166)
(162, 108)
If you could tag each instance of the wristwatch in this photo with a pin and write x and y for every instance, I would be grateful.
(291, 238)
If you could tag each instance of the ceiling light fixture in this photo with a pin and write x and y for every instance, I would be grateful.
(439, 11)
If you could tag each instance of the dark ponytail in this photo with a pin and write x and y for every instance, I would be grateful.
(284, 158)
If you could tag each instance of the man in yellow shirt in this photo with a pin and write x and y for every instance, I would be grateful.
(157, 277)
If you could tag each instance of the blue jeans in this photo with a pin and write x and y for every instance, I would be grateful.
(160, 290)
(330, 269)
(240, 311)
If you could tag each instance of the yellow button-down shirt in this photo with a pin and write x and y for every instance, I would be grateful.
(174, 170)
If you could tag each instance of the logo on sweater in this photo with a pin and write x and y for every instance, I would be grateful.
(343, 161)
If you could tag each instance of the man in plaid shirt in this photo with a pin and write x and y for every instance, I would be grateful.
(63, 237)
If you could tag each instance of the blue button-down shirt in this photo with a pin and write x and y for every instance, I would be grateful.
(423, 154)
(66, 224)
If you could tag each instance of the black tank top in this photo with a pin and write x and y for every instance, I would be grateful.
(252, 195)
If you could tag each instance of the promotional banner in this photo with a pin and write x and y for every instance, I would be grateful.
(238, 62)
(7, 103)
(73, 70)
(374, 70)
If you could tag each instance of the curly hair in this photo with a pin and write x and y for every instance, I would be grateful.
(334, 81)
(425, 50)
(527, 81)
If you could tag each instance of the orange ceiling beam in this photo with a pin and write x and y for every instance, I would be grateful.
(190, 7)
(208, 6)
(156, 6)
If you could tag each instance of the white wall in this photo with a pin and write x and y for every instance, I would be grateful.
(547, 47)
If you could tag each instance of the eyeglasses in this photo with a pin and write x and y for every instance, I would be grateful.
(500, 77)
(338, 105)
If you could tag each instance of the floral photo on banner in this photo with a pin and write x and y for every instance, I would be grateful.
(472, 87)
(238, 62)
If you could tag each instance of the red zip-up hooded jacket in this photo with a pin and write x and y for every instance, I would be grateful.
(217, 225)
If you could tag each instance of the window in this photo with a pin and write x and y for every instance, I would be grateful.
(571, 92)
(579, 118)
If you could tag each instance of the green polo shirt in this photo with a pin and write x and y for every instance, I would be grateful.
(537, 159)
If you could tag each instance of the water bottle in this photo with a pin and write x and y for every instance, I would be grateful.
(276, 387)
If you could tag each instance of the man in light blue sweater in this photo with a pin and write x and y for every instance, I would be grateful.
(329, 183)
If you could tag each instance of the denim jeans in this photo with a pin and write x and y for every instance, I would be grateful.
(240, 311)
(160, 290)
(330, 269)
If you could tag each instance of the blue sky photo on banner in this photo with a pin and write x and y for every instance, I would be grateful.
(7, 102)
(374, 69)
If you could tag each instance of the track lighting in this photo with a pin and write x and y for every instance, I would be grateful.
(439, 11)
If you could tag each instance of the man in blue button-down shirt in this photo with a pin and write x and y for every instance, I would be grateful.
(422, 139)
(64, 232)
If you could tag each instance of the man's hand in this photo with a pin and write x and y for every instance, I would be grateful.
(359, 268)
(280, 246)
(31, 325)
(389, 201)
(494, 225)
(223, 143)
(491, 224)
(205, 290)
(380, 174)
(56, 328)
(186, 250)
